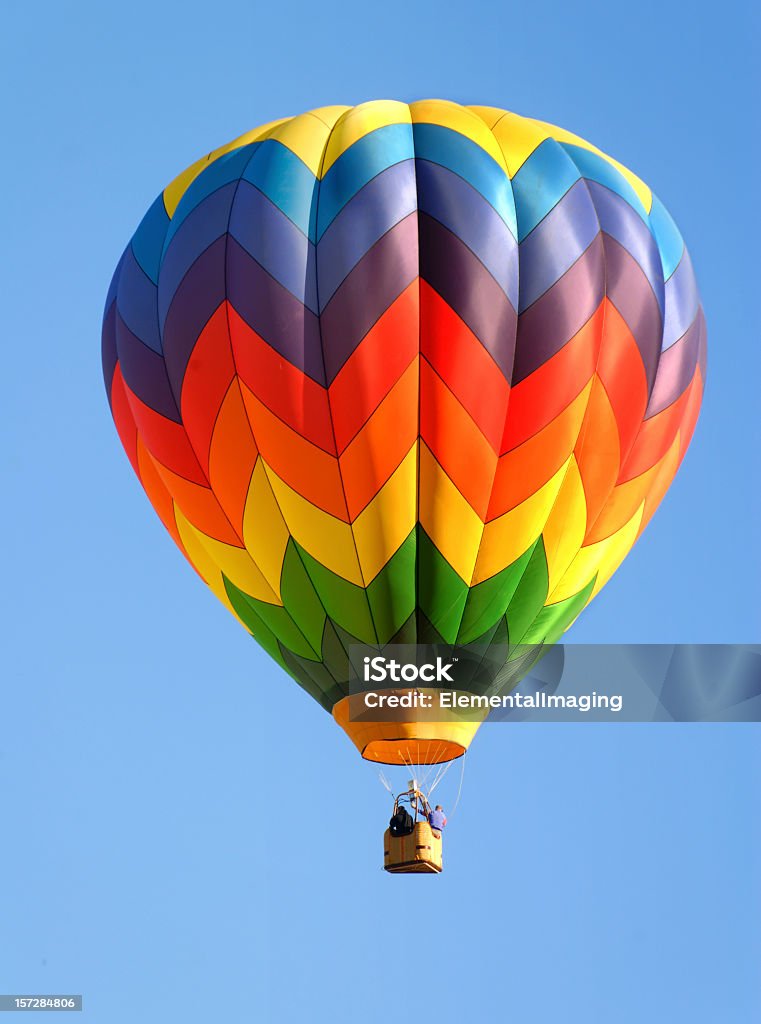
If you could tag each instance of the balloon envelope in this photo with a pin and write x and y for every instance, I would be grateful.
(403, 374)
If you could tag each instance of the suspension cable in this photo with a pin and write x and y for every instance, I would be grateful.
(459, 788)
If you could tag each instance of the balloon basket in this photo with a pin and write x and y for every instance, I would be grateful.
(418, 853)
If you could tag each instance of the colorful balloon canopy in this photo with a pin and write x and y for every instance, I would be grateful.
(404, 373)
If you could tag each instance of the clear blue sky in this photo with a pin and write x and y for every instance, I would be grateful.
(594, 873)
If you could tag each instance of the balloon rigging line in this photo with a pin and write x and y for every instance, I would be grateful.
(459, 789)
(429, 764)
(435, 777)
(385, 783)
(443, 769)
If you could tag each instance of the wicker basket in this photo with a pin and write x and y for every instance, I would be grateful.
(417, 853)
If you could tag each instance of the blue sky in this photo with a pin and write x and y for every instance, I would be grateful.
(593, 872)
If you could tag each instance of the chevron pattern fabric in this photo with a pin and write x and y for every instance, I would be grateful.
(404, 373)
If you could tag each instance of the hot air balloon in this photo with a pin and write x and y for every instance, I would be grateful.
(404, 374)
